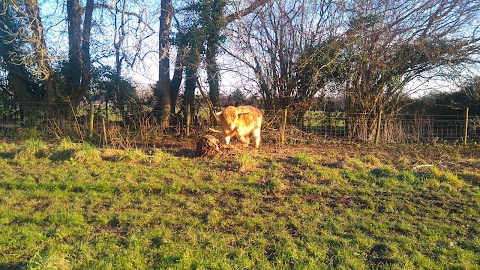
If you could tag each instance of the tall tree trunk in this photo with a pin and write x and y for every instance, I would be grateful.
(19, 75)
(117, 43)
(164, 89)
(175, 87)
(20, 88)
(192, 62)
(73, 78)
(269, 105)
(86, 62)
(213, 72)
(189, 109)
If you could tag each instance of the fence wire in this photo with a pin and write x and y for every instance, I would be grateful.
(140, 125)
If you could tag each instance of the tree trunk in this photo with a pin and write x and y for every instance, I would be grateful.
(164, 63)
(117, 43)
(213, 73)
(192, 62)
(73, 78)
(86, 63)
(189, 109)
(175, 88)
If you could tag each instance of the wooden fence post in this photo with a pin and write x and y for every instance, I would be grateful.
(91, 120)
(105, 139)
(284, 126)
(188, 120)
(379, 125)
(465, 131)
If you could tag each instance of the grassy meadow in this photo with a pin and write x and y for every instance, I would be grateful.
(74, 206)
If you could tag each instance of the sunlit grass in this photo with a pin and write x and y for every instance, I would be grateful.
(75, 206)
(31, 148)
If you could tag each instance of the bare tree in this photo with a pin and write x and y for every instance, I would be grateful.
(271, 43)
(388, 44)
(472, 88)
(28, 61)
(120, 21)
(391, 43)
(131, 30)
(370, 50)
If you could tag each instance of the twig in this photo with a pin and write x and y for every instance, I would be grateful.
(421, 166)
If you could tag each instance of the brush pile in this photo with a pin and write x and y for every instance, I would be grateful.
(207, 145)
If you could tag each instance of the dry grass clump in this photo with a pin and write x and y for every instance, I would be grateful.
(436, 177)
(64, 150)
(371, 160)
(79, 152)
(403, 163)
(354, 164)
(303, 159)
(31, 148)
(245, 163)
(111, 154)
(452, 179)
(54, 261)
(471, 177)
(133, 156)
(87, 153)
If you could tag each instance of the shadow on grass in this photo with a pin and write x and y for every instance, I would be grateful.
(7, 155)
(15, 266)
(185, 152)
(381, 256)
(62, 155)
(174, 149)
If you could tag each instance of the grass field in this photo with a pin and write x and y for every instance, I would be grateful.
(74, 206)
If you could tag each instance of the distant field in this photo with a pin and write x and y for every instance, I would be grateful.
(73, 206)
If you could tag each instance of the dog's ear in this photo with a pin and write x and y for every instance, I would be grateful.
(243, 113)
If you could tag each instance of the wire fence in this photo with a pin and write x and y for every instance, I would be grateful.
(311, 126)
(140, 126)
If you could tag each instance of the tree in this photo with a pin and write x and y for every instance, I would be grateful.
(197, 35)
(368, 50)
(28, 60)
(212, 14)
(472, 88)
(275, 44)
(24, 52)
(164, 88)
(318, 70)
(86, 38)
(389, 44)
(74, 70)
(79, 62)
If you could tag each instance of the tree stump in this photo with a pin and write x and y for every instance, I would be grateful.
(207, 146)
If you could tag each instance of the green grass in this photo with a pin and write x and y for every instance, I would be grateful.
(74, 206)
